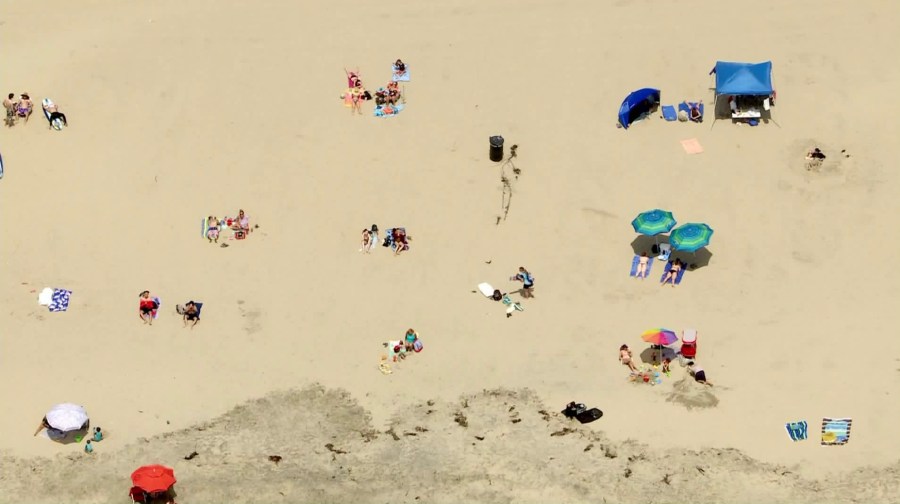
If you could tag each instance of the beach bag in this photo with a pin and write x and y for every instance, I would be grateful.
(179, 309)
(417, 345)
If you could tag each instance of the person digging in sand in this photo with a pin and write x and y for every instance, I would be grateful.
(698, 373)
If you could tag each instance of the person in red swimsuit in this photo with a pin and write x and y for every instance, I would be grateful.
(147, 307)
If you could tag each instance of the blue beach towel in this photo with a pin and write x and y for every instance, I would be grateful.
(634, 265)
(60, 300)
(677, 277)
(404, 77)
(379, 111)
(687, 110)
(835, 431)
(798, 431)
(669, 112)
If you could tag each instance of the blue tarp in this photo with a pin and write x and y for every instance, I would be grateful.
(743, 78)
(636, 104)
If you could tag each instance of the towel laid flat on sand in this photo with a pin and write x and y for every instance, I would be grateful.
(388, 110)
(486, 289)
(668, 112)
(835, 431)
(677, 277)
(798, 431)
(59, 301)
(404, 77)
(634, 265)
(692, 146)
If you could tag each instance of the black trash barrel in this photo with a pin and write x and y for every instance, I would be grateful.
(496, 148)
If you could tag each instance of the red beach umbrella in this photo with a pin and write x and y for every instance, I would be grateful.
(153, 478)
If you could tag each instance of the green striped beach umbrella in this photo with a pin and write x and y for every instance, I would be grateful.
(653, 222)
(690, 237)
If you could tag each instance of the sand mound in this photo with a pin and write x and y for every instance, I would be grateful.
(691, 394)
(494, 446)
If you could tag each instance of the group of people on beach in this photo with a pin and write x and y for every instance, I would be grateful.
(239, 225)
(148, 308)
(694, 370)
(395, 238)
(386, 98)
(23, 107)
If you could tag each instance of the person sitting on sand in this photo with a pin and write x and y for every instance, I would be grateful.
(665, 366)
(694, 107)
(25, 107)
(147, 307)
(400, 241)
(241, 223)
(191, 314)
(527, 280)
(626, 359)
(698, 373)
(53, 109)
(366, 244)
(212, 229)
(642, 266)
(672, 274)
(410, 339)
(393, 93)
(815, 154)
(399, 68)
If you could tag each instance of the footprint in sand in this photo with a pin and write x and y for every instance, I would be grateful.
(251, 323)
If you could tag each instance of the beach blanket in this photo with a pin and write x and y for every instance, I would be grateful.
(835, 431)
(798, 431)
(677, 277)
(388, 110)
(486, 289)
(59, 301)
(687, 110)
(691, 146)
(634, 265)
(404, 77)
(668, 112)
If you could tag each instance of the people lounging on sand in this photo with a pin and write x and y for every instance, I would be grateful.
(147, 307)
(527, 280)
(53, 109)
(626, 359)
(672, 274)
(696, 115)
(399, 67)
(191, 314)
(366, 244)
(241, 224)
(410, 339)
(643, 261)
(393, 93)
(400, 241)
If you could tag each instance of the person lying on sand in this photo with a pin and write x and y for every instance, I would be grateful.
(642, 266)
(53, 110)
(672, 274)
(698, 373)
(626, 359)
(191, 314)
(356, 97)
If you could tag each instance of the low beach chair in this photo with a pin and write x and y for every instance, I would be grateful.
(665, 250)
(138, 495)
(688, 346)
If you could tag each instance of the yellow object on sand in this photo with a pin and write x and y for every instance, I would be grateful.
(829, 437)
(385, 368)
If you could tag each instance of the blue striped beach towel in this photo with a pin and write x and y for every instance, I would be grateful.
(798, 431)
(60, 300)
(835, 431)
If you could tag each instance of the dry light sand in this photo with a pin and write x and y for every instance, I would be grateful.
(179, 110)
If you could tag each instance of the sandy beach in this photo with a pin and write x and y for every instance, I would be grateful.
(178, 111)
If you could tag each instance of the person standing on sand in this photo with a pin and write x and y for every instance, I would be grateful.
(626, 359)
(527, 282)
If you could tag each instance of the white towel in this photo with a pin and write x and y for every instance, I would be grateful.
(45, 297)
(486, 289)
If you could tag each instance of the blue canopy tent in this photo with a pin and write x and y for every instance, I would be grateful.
(636, 104)
(746, 79)
(743, 79)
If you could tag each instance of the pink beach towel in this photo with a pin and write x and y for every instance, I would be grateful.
(692, 146)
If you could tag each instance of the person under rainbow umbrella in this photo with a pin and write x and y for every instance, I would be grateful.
(661, 337)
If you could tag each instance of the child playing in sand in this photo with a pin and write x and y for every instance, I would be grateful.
(665, 366)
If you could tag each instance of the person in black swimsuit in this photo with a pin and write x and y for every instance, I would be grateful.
(191, 314)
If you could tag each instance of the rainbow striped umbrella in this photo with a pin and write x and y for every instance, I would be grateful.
(690, 237)
(653, 222)
(659, 336)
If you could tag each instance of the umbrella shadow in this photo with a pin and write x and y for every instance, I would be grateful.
(644, 244)
(651, 355)
(70, 437)
(694, 260)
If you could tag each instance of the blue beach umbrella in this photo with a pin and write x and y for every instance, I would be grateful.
(690, 237)
(653, 222)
